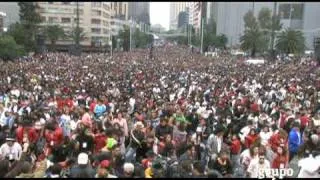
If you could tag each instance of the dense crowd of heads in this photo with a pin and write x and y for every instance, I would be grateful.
(172, 114)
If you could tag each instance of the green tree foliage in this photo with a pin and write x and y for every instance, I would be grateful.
(9, 48)
(73, 34)
(17, 32)
(141, 39)
(29, 18)
(291, 41)
(252, 40)
(124, 36)
(54, 33)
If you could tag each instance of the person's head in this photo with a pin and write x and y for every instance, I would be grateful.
(281, 150)
(261, 158)
(223, 155)
(128, 169)
(191, 150)
(266, 129)
(163, 122)
(296, 126)
(10, 140)
(252, 131)
(197, 166)
(83, 159)
(56, 169)
(254, 150)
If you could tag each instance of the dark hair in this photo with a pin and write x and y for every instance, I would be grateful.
(26, 167)
(199, 167)
(56, 169)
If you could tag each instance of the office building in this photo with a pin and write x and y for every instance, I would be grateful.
(120, 10)
(304, 16)
(94, 19)
(139, 12)
(175, 9)
(11, 9)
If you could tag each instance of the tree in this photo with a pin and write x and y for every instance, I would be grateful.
(73, 34)
(124, 36)
(265, 23)
(252, 38)
(54, 33)
(17, 32)
(9, 48)
(221, 41)
(291, 41)
(29, 19)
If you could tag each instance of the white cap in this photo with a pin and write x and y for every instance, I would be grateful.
(83, 158)
(128, 167)
(139, 123)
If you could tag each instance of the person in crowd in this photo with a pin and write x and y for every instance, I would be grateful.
(295, 140)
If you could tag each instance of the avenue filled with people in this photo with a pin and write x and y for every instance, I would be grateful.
(174, 114)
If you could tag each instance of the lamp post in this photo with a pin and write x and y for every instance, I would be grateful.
(290, 16)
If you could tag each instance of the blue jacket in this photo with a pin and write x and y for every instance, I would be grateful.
(294, 143)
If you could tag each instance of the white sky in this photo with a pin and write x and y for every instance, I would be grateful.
(159, 13)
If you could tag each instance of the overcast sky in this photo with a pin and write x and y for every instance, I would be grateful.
(159, 13)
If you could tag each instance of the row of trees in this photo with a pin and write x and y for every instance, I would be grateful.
(210, 37)
(258, 35)
(139, 38)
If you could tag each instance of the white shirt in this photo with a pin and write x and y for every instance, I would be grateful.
(265, 136)
(309, 167)
(245, 131)
(255, 166)
(15, 150)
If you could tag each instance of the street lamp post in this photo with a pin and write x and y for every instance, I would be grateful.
(290, 16)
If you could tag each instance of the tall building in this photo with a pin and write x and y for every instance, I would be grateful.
(11, 9)
(94, 19)
(304, 16)
(2, 17)
(120, 10)
(139, 12)
(183, 19)
(175, 9)
(195, 15)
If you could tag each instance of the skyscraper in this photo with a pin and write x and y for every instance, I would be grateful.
(139, 12)
(175, 9)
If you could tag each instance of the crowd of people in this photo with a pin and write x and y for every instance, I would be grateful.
(172, 114)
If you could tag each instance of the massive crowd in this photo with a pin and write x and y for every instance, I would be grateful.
(172, 114)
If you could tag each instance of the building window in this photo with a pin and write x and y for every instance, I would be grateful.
(96, 13)
(66, 3)
(53, 20)
(80, 11)
(95, 21)
(96, 30)
(43, 18)
(65, 20)
(120, 8)
(96, 4)
(105, 31)
(50, 2)
(106, 7)
(105, 15)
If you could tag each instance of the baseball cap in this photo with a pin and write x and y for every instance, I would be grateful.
(83, 159)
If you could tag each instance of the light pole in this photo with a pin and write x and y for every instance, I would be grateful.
(130, 34)
(290, 16)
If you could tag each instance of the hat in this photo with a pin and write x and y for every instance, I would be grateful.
(105, 164)
(10, 138)
(83, 159)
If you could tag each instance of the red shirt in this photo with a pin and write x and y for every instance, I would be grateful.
(254, 107)
(280, 160)
(304, 121)
(99, 141)
(92, 106)
(56, 136)
(250, 139)
(32, 135)
(275, 142)
(235, 147)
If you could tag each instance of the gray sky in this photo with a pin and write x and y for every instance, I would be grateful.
(159, 13)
